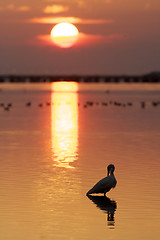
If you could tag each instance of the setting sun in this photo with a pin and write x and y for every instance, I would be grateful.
(64, 35)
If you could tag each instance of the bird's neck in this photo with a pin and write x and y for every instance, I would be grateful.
(110, 174)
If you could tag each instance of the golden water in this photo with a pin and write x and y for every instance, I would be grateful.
(51, 155)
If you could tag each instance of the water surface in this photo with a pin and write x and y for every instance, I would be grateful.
(53, 151)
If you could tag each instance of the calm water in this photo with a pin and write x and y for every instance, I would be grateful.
(52, 154)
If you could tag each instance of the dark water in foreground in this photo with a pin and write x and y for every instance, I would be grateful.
(51, 154)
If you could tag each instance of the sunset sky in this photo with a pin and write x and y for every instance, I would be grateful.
(116, 37)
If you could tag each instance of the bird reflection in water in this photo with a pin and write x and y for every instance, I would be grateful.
(64, 123)
(106, 205)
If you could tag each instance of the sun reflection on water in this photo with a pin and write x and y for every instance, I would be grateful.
(64, 123)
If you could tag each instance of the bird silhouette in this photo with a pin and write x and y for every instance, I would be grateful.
(28, 104)
(105, 184)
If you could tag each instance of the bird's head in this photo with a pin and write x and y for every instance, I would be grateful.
(110, 169)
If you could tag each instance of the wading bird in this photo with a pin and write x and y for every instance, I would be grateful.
(105, 184)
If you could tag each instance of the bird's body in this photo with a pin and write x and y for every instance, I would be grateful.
(105, 184)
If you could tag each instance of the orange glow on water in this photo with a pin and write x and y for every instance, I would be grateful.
(64, 126)
(65, 86)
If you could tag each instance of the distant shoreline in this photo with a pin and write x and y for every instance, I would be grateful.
(148, 78)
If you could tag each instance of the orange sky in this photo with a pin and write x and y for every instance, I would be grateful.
(117, 37)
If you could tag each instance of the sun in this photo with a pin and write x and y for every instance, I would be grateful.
(64, 35)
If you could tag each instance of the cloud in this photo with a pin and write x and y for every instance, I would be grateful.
(52, 20)
(12, 7)
(94, 39)
(147, 6)
(84, 40)
(108, 1)
(82, 3)
(44, 40)
(23, 8)
(55, 8)
(52, 1)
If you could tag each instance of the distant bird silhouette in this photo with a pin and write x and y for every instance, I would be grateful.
(104, 104)
(9, 104)
(143, 104)
(6, 108)
(105, 184)
(155, 104)
(28, 104)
